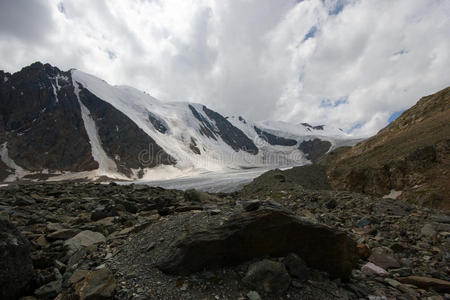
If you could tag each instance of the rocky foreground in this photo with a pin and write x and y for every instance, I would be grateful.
(97, 241)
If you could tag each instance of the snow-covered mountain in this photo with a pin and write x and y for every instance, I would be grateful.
(71, 124)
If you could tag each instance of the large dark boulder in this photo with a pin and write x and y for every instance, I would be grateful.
(264, 232)
(16, 267)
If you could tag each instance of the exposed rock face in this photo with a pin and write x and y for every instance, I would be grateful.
(230, 134)
(122, 140)
(33, 103)
(258, 233)
(16, 268)
(159, 124)
(273, 139)
(410, 155)
(314, 149)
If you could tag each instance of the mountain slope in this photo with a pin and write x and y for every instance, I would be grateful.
(411, 155)
(71, 124)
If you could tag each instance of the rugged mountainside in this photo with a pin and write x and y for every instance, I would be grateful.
(70, 124)
(411, 155)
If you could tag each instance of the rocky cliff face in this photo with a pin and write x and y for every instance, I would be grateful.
(41, 121)
(410, 155)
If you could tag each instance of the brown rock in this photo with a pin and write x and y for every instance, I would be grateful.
(260, 233)
(383, 257)
(63, 234)
(438, 285)
(97, 285)
(363, 251)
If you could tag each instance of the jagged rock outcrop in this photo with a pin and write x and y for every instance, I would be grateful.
(273, 139)
(259, 233)
(314, 149)
(41, 121)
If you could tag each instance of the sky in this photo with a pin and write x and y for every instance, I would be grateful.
(352, 64)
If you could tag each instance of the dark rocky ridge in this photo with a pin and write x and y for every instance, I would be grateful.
(231, 135)
(30, 114)
(314, 149)
(273, 139)
(40, 119)
(159, 125)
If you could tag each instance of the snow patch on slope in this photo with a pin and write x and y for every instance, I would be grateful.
(19, 172)
(107, 166)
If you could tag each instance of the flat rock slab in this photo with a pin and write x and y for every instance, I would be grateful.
(438, 285)
(254, 234)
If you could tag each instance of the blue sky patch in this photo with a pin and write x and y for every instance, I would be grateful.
(61, 8)
(334, 103)
(395, 115)
(354, 127)
(401, 52)
(337, 8)
(311, 33)
(111, 54)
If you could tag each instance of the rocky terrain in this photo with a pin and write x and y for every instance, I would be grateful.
(411, 156)
(74, 240)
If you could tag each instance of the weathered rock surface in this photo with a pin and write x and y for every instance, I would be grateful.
(427, 282)
(98, 284)
(16, 268)
(85, 239)
(259, 233)
(268, 276)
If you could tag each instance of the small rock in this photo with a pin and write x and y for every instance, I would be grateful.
(363, 222)
(49, 290)
(392, 282)
(42, 241)
(428, 231)
(253, 295)
(251, 205)
(332, 204)
(372, 269)
(297, 267)
(98, 284)
(78, 275)
(62, 234)
(383, 257)
(363, 251)
(193, 195)
(268, 276)
(84, 239)
(438, 285)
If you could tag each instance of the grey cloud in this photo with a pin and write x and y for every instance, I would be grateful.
(27, 20)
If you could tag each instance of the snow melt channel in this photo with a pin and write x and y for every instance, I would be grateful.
(19, 172)
(105, 164)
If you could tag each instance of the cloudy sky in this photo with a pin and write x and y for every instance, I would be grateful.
(352, 63)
